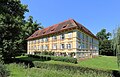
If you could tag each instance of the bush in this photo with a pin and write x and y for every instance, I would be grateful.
(71, 68)
(3, 71)
(64, 59)
(55, 58)
(41, 57)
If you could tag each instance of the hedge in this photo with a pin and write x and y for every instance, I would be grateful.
(71, 68)
(55, 58)
(64, 59)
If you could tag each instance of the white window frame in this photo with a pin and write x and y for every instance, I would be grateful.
(62, 36)
(54, 46)
(70, 35)
(62, 46)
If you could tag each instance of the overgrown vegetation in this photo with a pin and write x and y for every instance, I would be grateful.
(22, 71)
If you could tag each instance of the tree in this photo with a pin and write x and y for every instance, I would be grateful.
(105, 46)
(116, 43)
(11, 20)
(28, 29)
(14, 29)
(3, 71)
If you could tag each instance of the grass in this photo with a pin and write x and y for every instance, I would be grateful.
(103, 62)
(21, 71)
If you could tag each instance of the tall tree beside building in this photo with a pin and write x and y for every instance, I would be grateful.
(11, 20)
(105, 46)
(116, 43)
(14, 29)
(28, 29)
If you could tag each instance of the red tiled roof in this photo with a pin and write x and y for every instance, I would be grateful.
(59, 27)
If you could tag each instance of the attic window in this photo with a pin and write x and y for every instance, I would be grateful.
(64, 26)
(43, 32)
(52, 29)
(36, 34)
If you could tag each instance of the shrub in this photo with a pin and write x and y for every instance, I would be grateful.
(41, 57)
(64, 59)
(55, 58)
(71, 68)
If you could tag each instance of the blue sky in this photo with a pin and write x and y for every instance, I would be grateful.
(93, 14)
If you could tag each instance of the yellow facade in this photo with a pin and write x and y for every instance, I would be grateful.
(67, 41)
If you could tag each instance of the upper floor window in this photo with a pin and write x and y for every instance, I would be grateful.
(70, 35)
(46, 47)
(68, 46)
(45, 39)
(42, 47)
(54, 37)
(62, 46)
(80, 35)
(54, 46)
(62, 36)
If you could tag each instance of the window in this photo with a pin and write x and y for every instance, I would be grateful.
(80, 35)
(54, 37)
(62, 46)
(62, 36)
(38, 47)
(80, 45)
(34, 47)
(45, 39)
(69, 35)
(46, 47)
(41, 40)
(68, 46)
(86, 38)
(54, 46)
(42, 47)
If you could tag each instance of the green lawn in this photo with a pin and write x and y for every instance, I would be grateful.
(20, 71)
(103, 62)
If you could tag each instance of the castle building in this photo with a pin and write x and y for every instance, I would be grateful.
(65, 37)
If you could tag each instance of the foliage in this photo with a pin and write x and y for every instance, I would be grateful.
(72, 68)
(116, 44)
(45, 53)
(55, 58)
(11, 20)
(105, 46)
(95, 67)
(64, 59)
(27, 30)
(21, 71)
(14, 29)
(41, 57)
(3, 71)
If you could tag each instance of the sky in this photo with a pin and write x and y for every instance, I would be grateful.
(93, 14)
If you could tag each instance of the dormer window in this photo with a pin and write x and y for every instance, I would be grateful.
(52, 29)
(64, 26)
(36, 34)
(43, 32)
